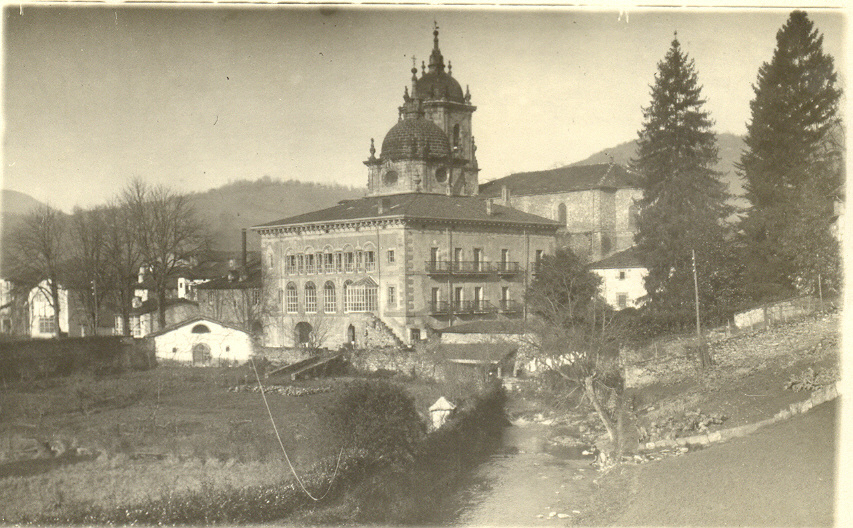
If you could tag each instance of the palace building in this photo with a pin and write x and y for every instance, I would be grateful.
(419, 253)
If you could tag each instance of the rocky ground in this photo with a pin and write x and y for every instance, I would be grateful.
(756, 375)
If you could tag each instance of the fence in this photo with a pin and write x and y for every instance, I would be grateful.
(772, 314)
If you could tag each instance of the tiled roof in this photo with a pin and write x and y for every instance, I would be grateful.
(150, 305)
(623, 259)
(564, 179)
(416, 206)
(193, 320)
(476, 352)
(236, 279)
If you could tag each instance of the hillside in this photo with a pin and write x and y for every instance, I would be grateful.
(245, 203)
(730, 146)
(13, 206)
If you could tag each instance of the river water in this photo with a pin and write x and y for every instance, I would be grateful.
(528, 482)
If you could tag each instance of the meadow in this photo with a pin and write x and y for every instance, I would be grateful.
(124, 438)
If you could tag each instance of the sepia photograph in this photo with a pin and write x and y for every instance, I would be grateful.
(423, 265)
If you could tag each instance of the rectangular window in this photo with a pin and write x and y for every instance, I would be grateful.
(416, 334)
(256, 297)
(505, 293)
(47, 325)
(300, 264)
(457, 255)
(622, 300)
(329, 300)
(290, 265)
(390, 256)
(539, 254)
(435, 297)
(457, 298)
(339, 262)
(621, 274)
(479, 302)
(392, 296)
(504, 258)
(330, 263)
(369, 261)
(433, 255)
(359, 260)
(349, 261)
(309, 263)
(478, 259)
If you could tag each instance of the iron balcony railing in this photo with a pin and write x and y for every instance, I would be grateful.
(470, 267)
(508, 306)
(461, 307)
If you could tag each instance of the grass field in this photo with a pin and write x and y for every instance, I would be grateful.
(160, 431)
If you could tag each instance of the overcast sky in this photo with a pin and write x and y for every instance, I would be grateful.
(195, 97)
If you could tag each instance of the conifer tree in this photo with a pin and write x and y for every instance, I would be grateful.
(683, 207)
(792, 165)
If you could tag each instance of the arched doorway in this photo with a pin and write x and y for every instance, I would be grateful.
(351, 335)
(303, 333)
(201, 354)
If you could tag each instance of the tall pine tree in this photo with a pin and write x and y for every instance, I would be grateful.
(684, 204)
(792, 166)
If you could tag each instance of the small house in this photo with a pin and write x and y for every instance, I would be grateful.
(202, 341)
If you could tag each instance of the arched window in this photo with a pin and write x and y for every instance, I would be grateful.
(361, 296)
(200, 329)
(291, 297)
(390, 177)
(633, 212)
(330, 304)
(561, 214)
(441, 175)
(310, 298)
(455, 134)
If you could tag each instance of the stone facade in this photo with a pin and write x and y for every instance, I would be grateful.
(421, 252)
(405, 269)
(202, 342)
(594, 203)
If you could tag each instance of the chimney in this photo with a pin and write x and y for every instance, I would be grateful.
(505, 195)
(243, 254)
(489, 207)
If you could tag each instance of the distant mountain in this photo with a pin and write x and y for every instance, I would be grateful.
(17, 203)
(245, 203)
(731, 147)
(13, 206)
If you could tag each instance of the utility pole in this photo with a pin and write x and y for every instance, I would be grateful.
(696, 291)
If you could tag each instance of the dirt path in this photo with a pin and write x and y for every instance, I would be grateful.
(781, 475)
(530, 487)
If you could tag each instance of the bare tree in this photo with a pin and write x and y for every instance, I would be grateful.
(311, 332)
(169, 233)
(87, 272)
(37, 254)
(123, 257)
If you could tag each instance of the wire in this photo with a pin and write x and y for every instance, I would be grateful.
(283, 450)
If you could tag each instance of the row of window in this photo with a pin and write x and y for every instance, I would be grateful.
(459, 294)
(338, 262)
(356, 298)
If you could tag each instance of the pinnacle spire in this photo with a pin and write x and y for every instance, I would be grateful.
(436, 60)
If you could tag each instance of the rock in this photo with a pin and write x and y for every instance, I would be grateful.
(552, 515)
(562, 515)
(540, 516)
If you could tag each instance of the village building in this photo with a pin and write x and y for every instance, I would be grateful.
(202, 341)
(622, 279)
(594, 204)
(419, 253)
(42, 322)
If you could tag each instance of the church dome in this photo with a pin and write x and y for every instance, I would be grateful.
(408, 138)
(438, 85)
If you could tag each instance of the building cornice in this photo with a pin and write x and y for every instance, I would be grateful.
(399, 221)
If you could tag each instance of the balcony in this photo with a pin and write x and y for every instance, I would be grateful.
(439, 308)
(508, 306)
(460, 307)
(470, 267)
(508, 268)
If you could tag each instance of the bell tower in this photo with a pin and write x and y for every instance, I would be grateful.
(431, 148)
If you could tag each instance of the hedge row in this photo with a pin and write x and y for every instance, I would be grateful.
(45, 358)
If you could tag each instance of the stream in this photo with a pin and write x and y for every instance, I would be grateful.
(528, 481)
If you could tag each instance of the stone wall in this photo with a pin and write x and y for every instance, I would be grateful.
(780, 312)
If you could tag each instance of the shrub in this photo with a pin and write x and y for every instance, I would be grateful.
(376, 420)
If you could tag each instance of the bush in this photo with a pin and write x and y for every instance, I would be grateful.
(376, 420)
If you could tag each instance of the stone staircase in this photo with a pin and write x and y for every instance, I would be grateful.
(385, 328)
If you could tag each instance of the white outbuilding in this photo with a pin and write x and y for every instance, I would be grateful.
(203, 342)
